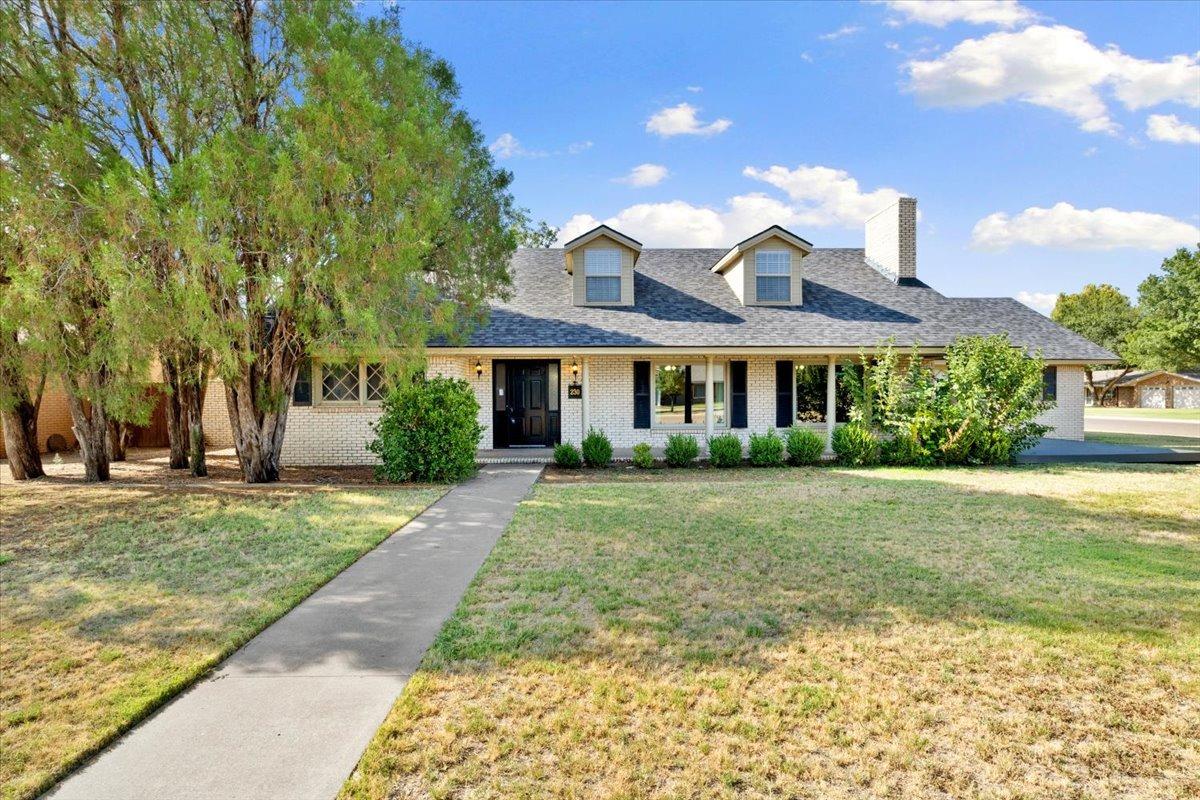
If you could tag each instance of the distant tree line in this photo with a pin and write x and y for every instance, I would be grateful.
(1161, 332)
(220, 188)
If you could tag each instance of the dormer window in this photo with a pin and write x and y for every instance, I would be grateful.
(602, 274)
(601, 264)
(773, 276)
(765, 270)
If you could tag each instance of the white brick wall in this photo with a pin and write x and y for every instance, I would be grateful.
(333, 435)
(891, 239)
(1066, 418)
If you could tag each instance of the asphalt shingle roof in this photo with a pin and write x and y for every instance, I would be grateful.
(680, 303)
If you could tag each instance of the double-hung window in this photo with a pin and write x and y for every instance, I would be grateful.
(602, 275)
(773, 276)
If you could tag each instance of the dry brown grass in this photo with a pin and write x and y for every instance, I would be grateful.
(116, 597)
(1029, 632)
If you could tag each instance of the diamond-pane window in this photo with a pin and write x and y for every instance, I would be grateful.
(375, 383)
(339, 383)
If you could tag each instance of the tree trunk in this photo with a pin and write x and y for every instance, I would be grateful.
(118, 439)
(193, 397)
(176, 414)
(91, 429)
(20, 441)
(257, 433)
(20, 421)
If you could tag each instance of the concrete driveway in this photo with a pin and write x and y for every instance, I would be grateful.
(290, 713)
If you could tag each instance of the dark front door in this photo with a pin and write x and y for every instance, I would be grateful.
(526, 397)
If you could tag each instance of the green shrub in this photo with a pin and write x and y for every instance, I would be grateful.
(567, 455)
(856, 445)
(597, 449)
(981, 409)
(681, 450)
(642, 457)
(804, 446)
(766, 449)
(725, 450)
(428, 431)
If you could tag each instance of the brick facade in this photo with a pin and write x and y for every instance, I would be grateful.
(338, 434)
(54, 416)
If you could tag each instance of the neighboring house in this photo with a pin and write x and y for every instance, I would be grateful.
(1148, 389)
(641, 343)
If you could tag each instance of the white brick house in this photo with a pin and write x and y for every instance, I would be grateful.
(642, 343)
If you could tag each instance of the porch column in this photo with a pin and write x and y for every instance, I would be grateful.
(708, 396)
(830, 402)
(585, 400)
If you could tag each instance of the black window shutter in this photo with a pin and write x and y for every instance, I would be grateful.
(737, 394)
(784, 386)
(1050, 383)
(302, 392)
(641, 394)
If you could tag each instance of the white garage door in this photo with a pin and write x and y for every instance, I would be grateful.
(1153, 397)
(1187, 396)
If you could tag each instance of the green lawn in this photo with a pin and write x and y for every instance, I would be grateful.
(116, 597)
(1144, 440)
(813, 633)
(1149, 413)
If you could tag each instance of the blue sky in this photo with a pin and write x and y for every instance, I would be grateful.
(1049, 144)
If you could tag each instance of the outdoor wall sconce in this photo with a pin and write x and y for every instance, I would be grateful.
(574, 370)
(478, 368)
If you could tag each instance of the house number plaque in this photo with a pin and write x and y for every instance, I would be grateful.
(574, 391)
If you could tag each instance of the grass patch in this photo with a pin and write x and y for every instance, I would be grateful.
(1154, 413)
(1020, 632)
(115, 598)
(1144, 440)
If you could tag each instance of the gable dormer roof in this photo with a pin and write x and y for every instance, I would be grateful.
(595, 233)
(730, 257)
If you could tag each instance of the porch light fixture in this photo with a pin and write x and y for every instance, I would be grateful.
(478, 368)
(574, 370)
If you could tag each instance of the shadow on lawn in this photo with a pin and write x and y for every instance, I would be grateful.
(686, 577)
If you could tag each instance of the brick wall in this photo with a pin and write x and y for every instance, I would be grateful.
(891, 239)
(331, 435)
(1066, 418)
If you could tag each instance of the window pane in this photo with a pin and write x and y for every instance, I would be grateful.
(810, 392)
(668, 394)
(603, 290)
(376, 388)
(680, 387)
(772, 262)
(339, 382)
(602, 263)
(771, 288)
(302, 393)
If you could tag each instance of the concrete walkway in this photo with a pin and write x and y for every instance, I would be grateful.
(287, 716)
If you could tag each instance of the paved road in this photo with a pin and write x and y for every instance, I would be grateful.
(1143, 425)
(287, 716)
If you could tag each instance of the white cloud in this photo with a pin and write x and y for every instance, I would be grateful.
(1170, 128)
(940, 13)
(695, 89)
(818, 197)
(1039, 301)
(644, 175)
(825, 196)
(681, 120)
(1088, 152)
(1054, 67)
(1066, 227)
(845, 30)
(508, 146)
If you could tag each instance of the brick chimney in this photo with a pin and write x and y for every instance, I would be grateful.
(892, 240)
